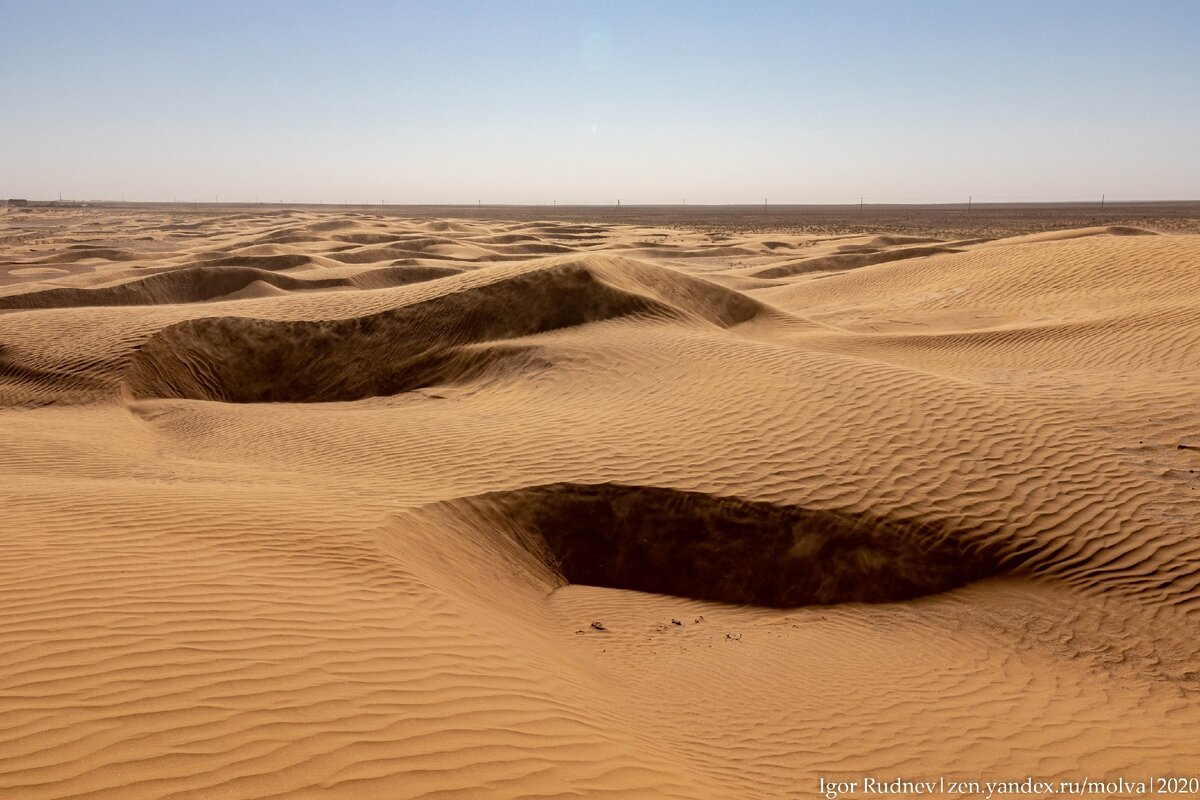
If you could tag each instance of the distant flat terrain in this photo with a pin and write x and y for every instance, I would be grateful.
(947, 220)
(354, 502)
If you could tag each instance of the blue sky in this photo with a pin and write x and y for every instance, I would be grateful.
(655, 102)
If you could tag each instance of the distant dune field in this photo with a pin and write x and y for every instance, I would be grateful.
(339, 504)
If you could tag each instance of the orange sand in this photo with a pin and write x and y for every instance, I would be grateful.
(288, 501)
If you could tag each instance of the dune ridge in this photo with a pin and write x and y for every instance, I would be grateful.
(428, 342)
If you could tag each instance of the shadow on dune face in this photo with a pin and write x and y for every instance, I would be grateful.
(849, 260)
(240, 360)
(455, 336)
(730, 550)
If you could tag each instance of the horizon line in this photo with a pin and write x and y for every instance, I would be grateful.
(971, 202)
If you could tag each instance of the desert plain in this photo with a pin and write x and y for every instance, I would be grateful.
(538, 503)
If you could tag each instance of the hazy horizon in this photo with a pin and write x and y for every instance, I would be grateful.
(537, 103)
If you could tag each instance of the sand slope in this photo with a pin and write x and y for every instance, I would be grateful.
(324, 505)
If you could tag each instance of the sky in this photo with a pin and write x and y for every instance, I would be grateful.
(519, 102)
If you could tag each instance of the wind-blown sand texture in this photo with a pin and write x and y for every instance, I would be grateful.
(291, 501)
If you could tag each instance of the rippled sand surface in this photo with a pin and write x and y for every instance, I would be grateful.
(341, 505)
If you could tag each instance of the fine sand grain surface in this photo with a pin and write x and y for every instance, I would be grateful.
(302, 504)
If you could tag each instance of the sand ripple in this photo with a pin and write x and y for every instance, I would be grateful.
(325, 505)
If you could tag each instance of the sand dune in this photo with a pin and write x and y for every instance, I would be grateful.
(848, 257)
(305, 504)
(197, 284)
